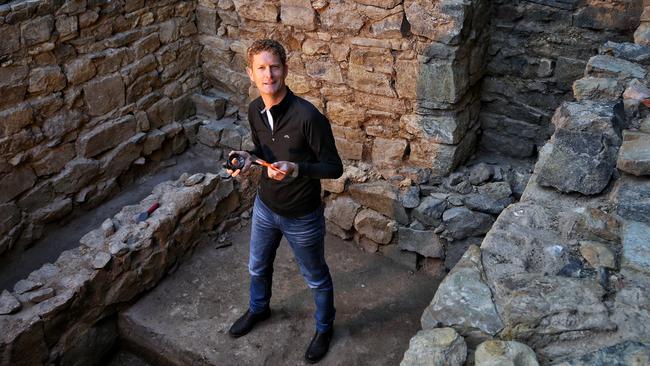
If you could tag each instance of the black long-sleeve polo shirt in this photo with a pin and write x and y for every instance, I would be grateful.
(302, 135)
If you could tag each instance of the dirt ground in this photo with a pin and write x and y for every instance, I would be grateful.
(185, 319)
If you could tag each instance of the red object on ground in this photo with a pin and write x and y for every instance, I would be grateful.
(646, 102)
(144, 215)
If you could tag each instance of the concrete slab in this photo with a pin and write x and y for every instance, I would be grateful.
(185, 319)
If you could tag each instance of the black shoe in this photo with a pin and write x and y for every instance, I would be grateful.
(319, 345)
(246, 322)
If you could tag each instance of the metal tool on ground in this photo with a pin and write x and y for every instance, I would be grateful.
(236, 161)
(144, 215)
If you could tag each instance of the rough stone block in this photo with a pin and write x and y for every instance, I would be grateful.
(497, 352)
(168, 31)
(620, 353)
(442, 81)
(634, 155)
(389, 27)
(632, 52)
(342, 211)
(46, 80)
(66, 26)
(342, 17)
(153, 141)
(146, 46)
(603, 89)
(13, 84)
(77, 174)
(37, 30)
(210, 106)
(161, 113)
(53, 160)
(10, 216)
(15, 119)
(407, 73)
(106, 136)
(429, 211)
(612, 67)
(579, 162)
(464, 284)
(636, 253)
(388, 152)
(348, 149)
(461, 222)
(121, 157)
(11, 39)
(380, 196)
(324, 69)
(104, 95)
(345, 114)
(298, 13)
(80, 70)
(360, 78)
(420, 14)
(16, 182)
(441, 158)
(608, 18)
(424, 242)
(442, 346)
(207, 20)
(62, 123)
(642, 34)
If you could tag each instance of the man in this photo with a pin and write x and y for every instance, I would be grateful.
(292, 134)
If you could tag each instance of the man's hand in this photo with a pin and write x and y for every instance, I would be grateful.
(281, 170)
(248, 160)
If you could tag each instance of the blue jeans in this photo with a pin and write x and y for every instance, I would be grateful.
(306, 237)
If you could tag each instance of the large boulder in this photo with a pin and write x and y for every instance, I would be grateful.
(464, 300)
(584, 148)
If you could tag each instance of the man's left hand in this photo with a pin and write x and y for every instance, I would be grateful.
(282, 170)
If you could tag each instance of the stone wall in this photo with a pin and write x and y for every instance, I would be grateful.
(90, 89)
(61, 314)
(537, 49)
(397, 79)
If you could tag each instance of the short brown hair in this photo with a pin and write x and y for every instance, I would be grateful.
(267, 45)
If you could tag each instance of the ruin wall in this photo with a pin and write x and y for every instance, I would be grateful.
(90, 91)
(537, 49)
(398, 80)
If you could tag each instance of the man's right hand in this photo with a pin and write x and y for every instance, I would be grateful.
(248, 160)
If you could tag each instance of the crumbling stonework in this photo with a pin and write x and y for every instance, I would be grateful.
(90, 90)
(399, 89)
(566, 270)
(538, 48)
(58, 314)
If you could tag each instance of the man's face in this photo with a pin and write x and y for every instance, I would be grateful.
(268, 73)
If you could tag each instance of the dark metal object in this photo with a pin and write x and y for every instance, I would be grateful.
(234, 162)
